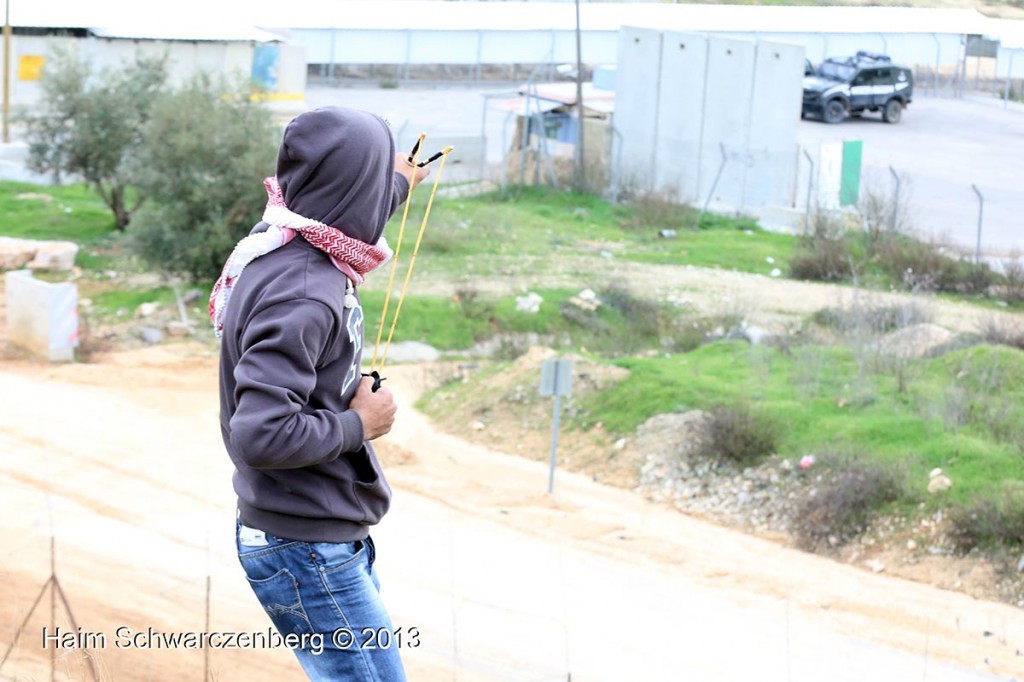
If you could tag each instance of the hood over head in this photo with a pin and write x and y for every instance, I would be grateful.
(336, 165)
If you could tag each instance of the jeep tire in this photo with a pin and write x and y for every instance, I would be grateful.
(893, 110)
(834, 112)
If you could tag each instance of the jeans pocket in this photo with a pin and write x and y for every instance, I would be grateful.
(279, 595)
(337, 556)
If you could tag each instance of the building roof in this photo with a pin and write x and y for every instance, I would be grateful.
(189, 21)
(546, 16)
(225, 20)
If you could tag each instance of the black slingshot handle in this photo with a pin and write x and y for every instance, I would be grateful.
(377, 380)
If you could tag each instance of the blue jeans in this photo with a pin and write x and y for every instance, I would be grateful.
(324, 600)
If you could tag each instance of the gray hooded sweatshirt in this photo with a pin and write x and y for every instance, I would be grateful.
(291, 351)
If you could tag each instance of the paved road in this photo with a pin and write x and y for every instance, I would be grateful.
(941, 147)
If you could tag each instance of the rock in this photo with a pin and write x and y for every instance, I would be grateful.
(478, 425)
(413, 351)
(34, 196)
(178, 328)
(586, 299)
(147, 309)
(911, 545)
(674, 436)
(1020, 564)
(876, 566)
(754, 335)
(939, 482)
(15, 253)
(776, 272)
(193, 295)
(55, 256)
(151, 335)
(619, 444)
(529, 304)
(914, 341)
(667, 234)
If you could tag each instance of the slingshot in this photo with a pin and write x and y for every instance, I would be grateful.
(376, 368)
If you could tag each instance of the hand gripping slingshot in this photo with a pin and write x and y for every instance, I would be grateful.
(380, 358)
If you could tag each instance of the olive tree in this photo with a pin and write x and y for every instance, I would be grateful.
(89, 124)
(205, 150)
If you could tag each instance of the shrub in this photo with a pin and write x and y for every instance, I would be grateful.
(658, 212)
(1012, 288)
(825, 255)
(646, 316)
(207, 148)
(839, 509)
(876, 317)
(739, 435)
(988, 521)
(1001, 331)
(921, 266)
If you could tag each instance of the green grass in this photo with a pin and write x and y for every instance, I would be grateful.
(69, 212)
(820, 410)
(483, 234)
(110, 303)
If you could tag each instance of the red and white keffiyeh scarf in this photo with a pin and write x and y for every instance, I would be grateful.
(351, 256)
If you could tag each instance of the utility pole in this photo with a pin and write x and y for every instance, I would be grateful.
(579, 179)
(7, 71)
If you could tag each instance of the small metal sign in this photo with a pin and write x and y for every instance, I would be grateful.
(556, 377)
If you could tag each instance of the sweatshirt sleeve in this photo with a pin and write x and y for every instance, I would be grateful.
(272, 427)
(399, 192)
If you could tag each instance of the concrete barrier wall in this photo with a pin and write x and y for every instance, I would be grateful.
(637, 91)
(42, 317)
(727, 103)
(681, 103)
(774, 119)
(683, 98)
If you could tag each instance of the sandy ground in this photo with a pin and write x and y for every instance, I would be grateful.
(121, 462)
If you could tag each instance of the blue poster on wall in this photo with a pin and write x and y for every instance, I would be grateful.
(264, 66)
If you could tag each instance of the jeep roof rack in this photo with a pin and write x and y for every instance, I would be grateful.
(873, 56)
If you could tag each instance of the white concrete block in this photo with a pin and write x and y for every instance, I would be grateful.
(42, 317)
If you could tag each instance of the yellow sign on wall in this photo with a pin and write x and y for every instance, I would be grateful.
(30, 67)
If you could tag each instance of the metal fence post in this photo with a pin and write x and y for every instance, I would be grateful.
(810, 183)
(617, 164)
(1009, 80)
(981, 209)
(714, 185)
(895, 199)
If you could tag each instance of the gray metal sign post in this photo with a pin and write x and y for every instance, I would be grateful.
(556, 380)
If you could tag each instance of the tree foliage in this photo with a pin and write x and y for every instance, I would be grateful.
(206, 149)
(91, 125)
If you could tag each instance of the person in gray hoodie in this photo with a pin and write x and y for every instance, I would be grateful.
(297, 417)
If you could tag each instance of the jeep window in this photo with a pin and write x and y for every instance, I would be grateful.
(884, 77)
(865, 77)
(836, 71)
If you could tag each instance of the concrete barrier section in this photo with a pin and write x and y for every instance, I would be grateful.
(42, 317)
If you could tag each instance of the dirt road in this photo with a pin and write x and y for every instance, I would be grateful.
(122, 460)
